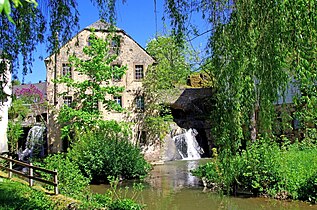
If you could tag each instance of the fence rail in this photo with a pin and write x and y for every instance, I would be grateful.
(30, 175)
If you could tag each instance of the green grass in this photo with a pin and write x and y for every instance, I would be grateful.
(14, 195)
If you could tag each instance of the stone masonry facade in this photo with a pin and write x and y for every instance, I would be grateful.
(131, 55)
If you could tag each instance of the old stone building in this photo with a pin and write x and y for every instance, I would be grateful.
(130, 54)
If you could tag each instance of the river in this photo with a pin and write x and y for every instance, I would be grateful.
(171, 187)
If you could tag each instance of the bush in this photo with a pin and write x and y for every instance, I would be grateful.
(125, 204)
(266, 168)
(299, 173)
(71, 181)
(259, 166)
(108, 152)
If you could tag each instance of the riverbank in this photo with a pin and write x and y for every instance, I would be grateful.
(16, 194)
(172, 186)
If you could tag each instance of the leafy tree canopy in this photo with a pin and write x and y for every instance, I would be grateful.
(90, 93)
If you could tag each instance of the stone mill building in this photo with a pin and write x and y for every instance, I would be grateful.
(130, 54)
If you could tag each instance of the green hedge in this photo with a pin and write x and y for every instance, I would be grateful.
(266, 168)
(104, 153)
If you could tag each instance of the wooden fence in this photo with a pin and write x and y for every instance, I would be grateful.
(30, 175)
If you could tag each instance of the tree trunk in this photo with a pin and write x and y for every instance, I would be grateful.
(253, 125)
(5, 103)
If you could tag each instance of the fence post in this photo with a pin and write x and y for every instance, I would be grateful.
(56, 183)
(10, 167)
(31, 174)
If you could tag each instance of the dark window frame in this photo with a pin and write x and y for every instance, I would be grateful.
(139, 103)
(138, 71)
(67, 70)
(118, 100)
(68, 100)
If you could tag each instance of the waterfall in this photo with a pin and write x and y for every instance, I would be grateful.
(34, 146)
(187, 145)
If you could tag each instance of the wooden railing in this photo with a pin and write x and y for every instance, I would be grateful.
(30, 174)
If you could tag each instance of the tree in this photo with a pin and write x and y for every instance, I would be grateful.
(5, 6)
(162, 80)
(25, 101)
(84, 111)
(23, 25)
(256, 49)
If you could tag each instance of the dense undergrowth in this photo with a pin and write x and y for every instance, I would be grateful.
(103, 154)
(266, 168)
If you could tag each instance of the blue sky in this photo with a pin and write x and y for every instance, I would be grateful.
(135, 17)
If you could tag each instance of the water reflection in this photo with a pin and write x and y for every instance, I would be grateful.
(172, 187)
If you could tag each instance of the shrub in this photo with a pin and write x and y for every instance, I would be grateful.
(259, 167)
(108, 152)
(71, 180)
(299, 170)
(125, 204)
(267, 168)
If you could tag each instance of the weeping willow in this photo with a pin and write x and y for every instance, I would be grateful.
(30, 23)
(258, 48)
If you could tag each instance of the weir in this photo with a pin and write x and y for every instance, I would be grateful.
(34, 146)
(187, 145)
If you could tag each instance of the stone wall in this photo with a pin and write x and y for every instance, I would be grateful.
(130, 54)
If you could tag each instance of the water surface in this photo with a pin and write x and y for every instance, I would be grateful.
(172, 187)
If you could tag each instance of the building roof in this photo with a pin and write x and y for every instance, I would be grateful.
(41, 86)
(101, 25)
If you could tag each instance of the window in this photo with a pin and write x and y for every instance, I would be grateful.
(139, 102)
(139, 74)
(141, 137)
(90, 38)
(118, 100)
(68, 100)
(115, 46)
(116, 77)
(66, 70)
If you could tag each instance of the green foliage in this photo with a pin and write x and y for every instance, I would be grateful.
(108, 151)
(71, 181)
(266, 168)
(253, 61)
(14, 133)
(211, 173)
(119, 198)
(161, 81)
(259, 166)
(124, 204)
(172, 66)
(14, 195)
(5, 6)
(90, 93)
(18, 111)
